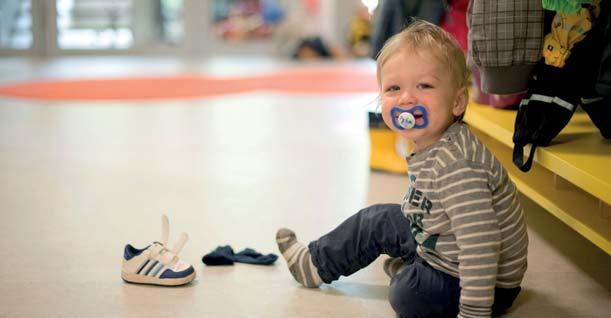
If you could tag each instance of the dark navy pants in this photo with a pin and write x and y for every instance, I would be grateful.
(419, 290)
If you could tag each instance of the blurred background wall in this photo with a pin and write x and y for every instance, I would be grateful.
(196, 28)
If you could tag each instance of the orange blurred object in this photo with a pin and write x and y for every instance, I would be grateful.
(323, 80)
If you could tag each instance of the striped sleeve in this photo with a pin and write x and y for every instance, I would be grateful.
(463, 191)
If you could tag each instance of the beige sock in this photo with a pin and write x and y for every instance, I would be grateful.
(298, 259)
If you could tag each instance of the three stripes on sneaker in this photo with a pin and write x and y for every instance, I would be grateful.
(151, 268)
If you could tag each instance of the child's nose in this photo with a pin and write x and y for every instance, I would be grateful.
(407, 98)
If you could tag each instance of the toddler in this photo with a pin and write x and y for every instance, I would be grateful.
(458, 240)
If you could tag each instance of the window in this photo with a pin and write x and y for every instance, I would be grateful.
(15, 24)
(118, 24)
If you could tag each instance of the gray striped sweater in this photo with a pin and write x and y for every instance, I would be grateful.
(465, 215)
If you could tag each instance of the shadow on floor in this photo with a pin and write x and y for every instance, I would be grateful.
(357, 290)
(531, 303)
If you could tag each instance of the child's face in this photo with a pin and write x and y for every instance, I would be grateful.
(416, 78)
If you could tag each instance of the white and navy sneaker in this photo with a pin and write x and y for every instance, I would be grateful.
(157, 264)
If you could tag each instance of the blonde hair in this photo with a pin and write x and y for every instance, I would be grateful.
(421, 36)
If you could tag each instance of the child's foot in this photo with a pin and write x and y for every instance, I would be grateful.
(393, 266)
(298, 258)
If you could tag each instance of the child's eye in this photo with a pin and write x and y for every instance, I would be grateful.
(424, 85)
(392, 88)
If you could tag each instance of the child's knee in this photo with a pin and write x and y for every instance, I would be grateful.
(403, 293)
(403, 297)
(420, 291)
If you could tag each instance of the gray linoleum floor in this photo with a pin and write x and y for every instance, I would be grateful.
(78, 180)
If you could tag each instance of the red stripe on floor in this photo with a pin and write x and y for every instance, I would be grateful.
(194, 86)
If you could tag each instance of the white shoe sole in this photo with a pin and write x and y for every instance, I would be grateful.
(142, 279)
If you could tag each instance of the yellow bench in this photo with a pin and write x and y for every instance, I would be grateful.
(571, 178)
(386, 151)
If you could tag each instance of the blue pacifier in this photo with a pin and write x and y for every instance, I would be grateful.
(405, 119)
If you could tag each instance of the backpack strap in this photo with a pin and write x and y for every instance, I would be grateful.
(518, 157)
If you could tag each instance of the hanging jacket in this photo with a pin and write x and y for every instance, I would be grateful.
(455, 21)
(394, 16)
(564, 6)
(603, 83)
(505, 39)
(556, 92)
(596, 98)
(567, 29)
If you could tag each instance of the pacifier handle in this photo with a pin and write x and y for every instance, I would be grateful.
(404, 119)
(407, 120)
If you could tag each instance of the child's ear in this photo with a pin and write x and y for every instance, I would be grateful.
(461, 101)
